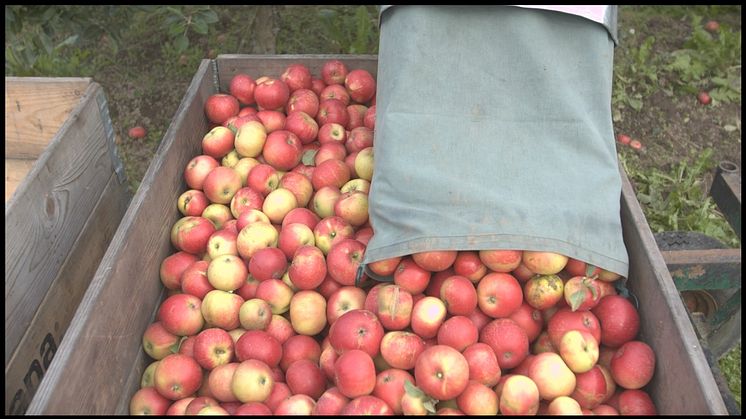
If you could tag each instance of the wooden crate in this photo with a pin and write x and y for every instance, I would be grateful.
(100, 362)
(65, 195)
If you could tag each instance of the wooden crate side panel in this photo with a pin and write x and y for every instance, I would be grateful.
(683, 382)
(35, 109)
(48, 210)
(229, 65)
(39, 344)
(105, 336)
(15, 171)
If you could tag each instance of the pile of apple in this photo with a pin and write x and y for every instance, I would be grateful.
(265, 312)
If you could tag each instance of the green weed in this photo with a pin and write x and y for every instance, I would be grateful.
(636, 76)
(730, 366)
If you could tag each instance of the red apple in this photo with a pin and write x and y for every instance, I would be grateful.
(221, 184)
(258, 344)
(148, 401)
(173, 267)
(271, 93)
(266, 263)
(530, 320)
(301, 216)
(361, 85)
(180, 314)
(305, 377)
(299, 347)
(197, 169)
(483, 364)
(369, 119)
(590, 388)
(400, 349)
(245, 199)
(272, 120)
(218, 142)
(507, 339)
(441, 372)
(177, 376)
(500, 260)
(332, 110)
(344, 299)
(636, 402)
(366, 405)
(499, 294)
(223, 242)
(359, 139)
(332, 132)
(277, 293)
(280, 328)
(282, 150)
(331, 172)
(428, 315)
(242, 88)
(334, 72)
(344, 259)
(331, 230)
(306, 101)
(354, 373)
(633, 365)
(390, 387)
(565, 319)
(331, 402)
(213, 347)
(458, 332)
(582, 293)
(411, 276)
(478, 399)
(253, 409)
(335, 91)
(357, 329)
(394, 307)
(459, 295)
(619, 320)
(469, 265)
(221, 106)
(280, 392)
(519, 396)
(297, 76)
(308, 267)
(159, 342)
(703, 98)
(552, 376)
(192, 202)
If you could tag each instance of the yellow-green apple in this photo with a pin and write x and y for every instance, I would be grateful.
(411, 277)
(148, 401)
(564, 405)
(331, 230)
(543, 291)
(299, 347)
(227, 272)
(177, 376)
(299, 185)
(565, 319)
(243, 167)
(305, 377)
(218, 214)
(194, 279)
(250, 216)
(499, 294)
(252, 381)
(323, 200)
(469, 265)
(428, 314)
(384, 267)
(344, 259)
(222, 242)
(263, 178)
(500, 260)
(242, 88)
(273, 120)
(356, 114)
(245, 199)
(250, 138)
(255, 314)
(255, 236)
(302, 125)
(394, 307)
(530, 319)
(280, 328)
(636, 402)
(230, 159)
(306, 101)
(441, 372)
(266, 263)
(619, 320)
(253, 409)
(361, 85)
(221, 308)
(544, 263)
(159, 342)
(359, 139)
(235, 122)
(334, 72)
(282, 150)
(369, 120)
(336, 92)
(296, 405)
(355, 373)
(357, 329)
(483, 364)
(276, 293)
(591, 387)
(344, 299)
(191, 234)
(197, 170)
(221, 184)
(457, 332)
(400, 349)
(280, 392)
(356, 185)
(192, 202)
(332, 132)
(308, 312)
(221, 106)
(459, 295)
(518, 395)
(582, 293)
(329, 151)
(180, 314)
(271, 93)
(579, 350)
(330, 172)
(331, 402)
(478, 399)
(147, 375)
(352, 207)
(173, 267)
(633, 365)
(218, 142)
(508, 339)
(258, 344)
(278, 203)
(292, 237)
(390, 387)
(308, 267)
(213, 347)
(552, 376)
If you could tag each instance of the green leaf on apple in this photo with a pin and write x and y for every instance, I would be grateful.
(576, 299)
(309, 157)
(589, 269)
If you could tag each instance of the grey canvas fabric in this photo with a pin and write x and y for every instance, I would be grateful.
(494, 131)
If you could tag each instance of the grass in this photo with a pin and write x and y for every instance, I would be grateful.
(145, 57)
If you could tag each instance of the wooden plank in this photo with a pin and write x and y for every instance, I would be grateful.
(726, 192)
(683, 382)
(51, 205)
(36, 107)
(15, 171)
(34, 354)
(95, 369)
(229, 65)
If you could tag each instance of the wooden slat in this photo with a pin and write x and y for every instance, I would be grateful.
(48, 210)
(35, 109)
(15, 171)
(95, 369)
(37, 347)
(683, 382)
